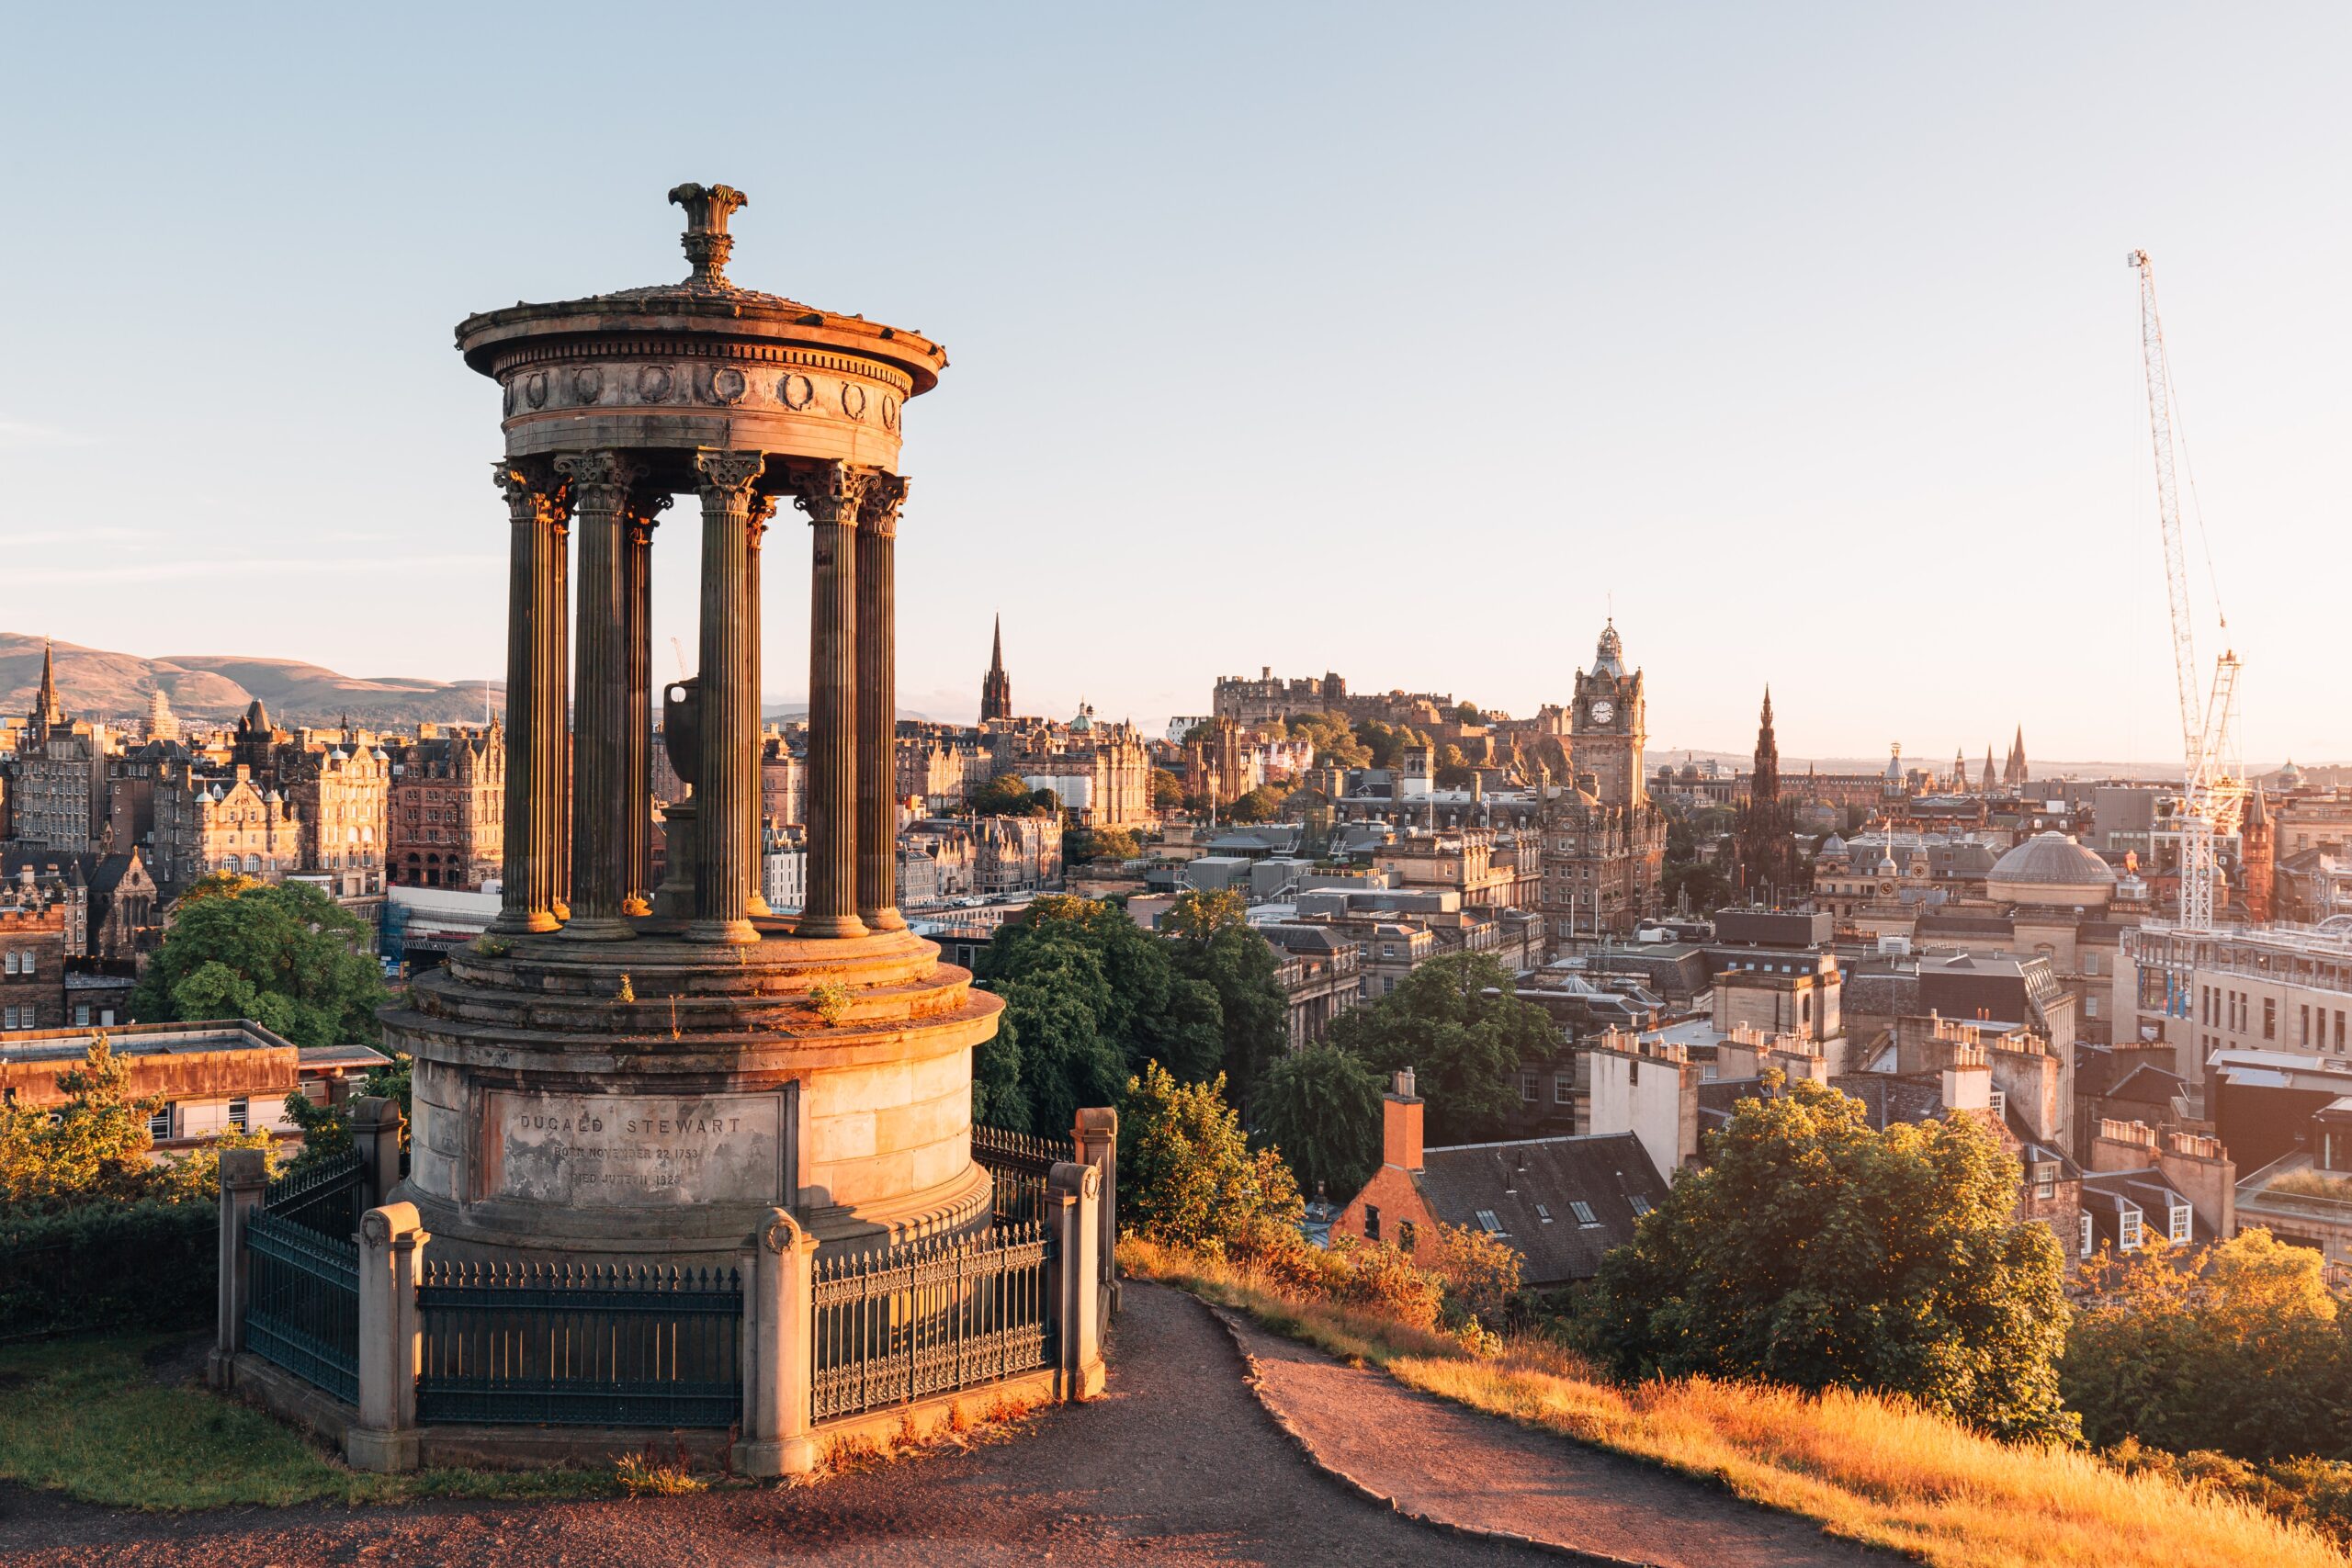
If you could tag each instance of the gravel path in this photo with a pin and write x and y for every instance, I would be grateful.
(1455, 1466)
(1177, 1466)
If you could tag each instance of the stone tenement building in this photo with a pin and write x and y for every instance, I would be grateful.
(315, 804)
(1604, 840)
(57, 779)
(32, 965)
(112, 909)
(1100, 772)
(447, 807)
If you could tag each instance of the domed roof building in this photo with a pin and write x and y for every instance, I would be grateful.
(2050, 870)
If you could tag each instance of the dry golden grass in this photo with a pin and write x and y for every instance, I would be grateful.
(1870, 1469)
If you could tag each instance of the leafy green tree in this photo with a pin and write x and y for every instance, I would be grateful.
(326, 1129)
(1454, 769)
(97, 1149)
(1213, 943)
(1264, 804)
(1008, 795)
(1336, 745)
(1099, 843)
(1167, 790)
(1090, 996)
(1320, 1106)
(285, 955)
(1458, 1022)
(1816, 1251)
(1467, 713)
(1187, 1176)
(2246, 1354)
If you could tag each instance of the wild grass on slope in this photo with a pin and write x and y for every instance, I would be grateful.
(1870, 1469)
(84, 1416)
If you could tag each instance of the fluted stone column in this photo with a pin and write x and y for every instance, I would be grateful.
(762, 508)
(877, 704)
(724, 856)
(830, 495)
(536, 506)
(637, 641)
(600, 719)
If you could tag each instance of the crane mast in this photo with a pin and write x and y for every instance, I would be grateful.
(2212, 795)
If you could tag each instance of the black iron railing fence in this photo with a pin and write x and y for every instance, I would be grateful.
(1019, 1165)
(929, 1317)
(302, 1301)
(604, 1346)
(328, 1197)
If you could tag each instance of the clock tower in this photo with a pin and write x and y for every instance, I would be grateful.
(1608, 724)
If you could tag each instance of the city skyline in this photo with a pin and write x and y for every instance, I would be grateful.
(1526, 307)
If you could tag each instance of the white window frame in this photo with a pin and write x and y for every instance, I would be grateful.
(2083, 1245)
(2129, 1230)
(1583, 1211)
(2177, 1229)
(159, 1125)
(241, 1114)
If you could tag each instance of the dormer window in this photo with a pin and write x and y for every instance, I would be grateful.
(2128, 1230)
(2177, 1230)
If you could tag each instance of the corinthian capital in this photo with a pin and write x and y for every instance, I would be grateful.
(533, 494)
(830, 492)
(645, 510)
(728, 477)
(878, 511)
(600, 480)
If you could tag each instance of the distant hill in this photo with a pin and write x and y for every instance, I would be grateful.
(94, 684)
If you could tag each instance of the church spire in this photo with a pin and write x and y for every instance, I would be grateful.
(996, 687)
(49, 710)
(2015, 773)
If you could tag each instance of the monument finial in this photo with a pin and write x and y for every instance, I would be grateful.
(706, 241)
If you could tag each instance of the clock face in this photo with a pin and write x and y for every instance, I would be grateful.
(1603, 711)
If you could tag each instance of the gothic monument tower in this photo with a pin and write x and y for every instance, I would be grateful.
(1763, 836)
(627, 1072)
(996, 686)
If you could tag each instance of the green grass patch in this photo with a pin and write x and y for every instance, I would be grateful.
(87, 1416)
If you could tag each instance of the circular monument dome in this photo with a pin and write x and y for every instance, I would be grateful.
(2051, 868)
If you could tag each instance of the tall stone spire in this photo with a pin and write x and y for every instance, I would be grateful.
(1991, 778)
(1766, 782)
(2015, 773)
(49, 710)
(996, 689)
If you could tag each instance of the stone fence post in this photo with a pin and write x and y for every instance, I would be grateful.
(244, 1178)
(1096, 1139)
(778, 1268)
(375, 1134)
(1073, 1206)
(391, 1251)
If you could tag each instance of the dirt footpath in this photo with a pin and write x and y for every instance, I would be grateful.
(1455, 1466)
(1178, 1465)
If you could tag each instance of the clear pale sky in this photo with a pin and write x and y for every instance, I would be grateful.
(1390, 340)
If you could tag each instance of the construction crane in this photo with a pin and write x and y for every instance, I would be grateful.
(2212, 793)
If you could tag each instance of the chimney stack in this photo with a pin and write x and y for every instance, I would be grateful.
(1400, 1125)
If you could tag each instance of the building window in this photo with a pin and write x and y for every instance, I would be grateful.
(1371, 1223)
(2090, 1005)
(2303, 1024)
(1528, 1086)
(1487, 1222)
(2090, 963)
(2083, 1245)
(2177, 1230)
(1564, 1090)
(2270, 1018)
(1544, 1214)
(80, 1012)
(2129, 1230)
(1404, 1235)
(1583, 1211)
(237, 1114)
(1641, 1206)
(159, 1125)
(2045, 1186)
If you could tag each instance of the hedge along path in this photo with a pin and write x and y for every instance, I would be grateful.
(1451, 1466)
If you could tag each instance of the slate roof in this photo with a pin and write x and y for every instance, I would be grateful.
(2149, 1084)
(1520, 1183)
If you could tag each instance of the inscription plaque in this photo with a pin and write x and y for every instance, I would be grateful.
(624, 1151)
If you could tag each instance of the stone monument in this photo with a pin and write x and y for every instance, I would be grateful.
(623, 1072)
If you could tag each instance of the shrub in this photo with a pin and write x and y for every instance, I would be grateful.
(1186, 1174)
(147, 1264)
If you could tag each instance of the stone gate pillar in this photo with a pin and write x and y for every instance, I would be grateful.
(778, 1269)
(391, 1246)
(244, 1178)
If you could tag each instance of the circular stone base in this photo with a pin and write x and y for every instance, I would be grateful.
(653, 1097)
